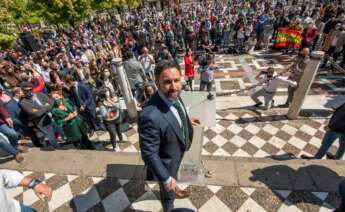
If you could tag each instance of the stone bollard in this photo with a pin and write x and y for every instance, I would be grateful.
(304, 84)
(117, 66)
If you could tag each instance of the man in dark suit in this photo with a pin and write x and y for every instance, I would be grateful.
(81, 95)
(165, 132)
(38, 107)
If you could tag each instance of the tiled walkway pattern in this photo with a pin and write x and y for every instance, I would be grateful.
(81, 193)
(246, 133)
(232, 76)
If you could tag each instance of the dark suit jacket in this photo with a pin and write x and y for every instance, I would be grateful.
(161, 140)
(83, 97)
(40, 117)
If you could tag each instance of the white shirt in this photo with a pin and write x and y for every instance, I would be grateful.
(9, 179)
(173, 109)
(272, 85)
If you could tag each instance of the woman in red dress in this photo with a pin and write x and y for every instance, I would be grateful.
(189, 68)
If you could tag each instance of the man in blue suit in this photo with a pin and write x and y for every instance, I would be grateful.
(81, 96)
(165, 132)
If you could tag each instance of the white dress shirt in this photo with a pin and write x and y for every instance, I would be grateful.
(9, 179)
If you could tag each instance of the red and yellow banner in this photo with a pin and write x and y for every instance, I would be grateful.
(288, 37)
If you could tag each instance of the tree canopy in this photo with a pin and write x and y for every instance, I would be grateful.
(14, 13)
(62, 11)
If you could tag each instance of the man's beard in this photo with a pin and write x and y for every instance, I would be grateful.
(173, 96)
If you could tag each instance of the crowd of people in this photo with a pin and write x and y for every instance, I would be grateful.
(68, 89)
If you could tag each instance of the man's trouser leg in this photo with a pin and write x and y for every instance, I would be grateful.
(268, 99)
(256, 94)
(291, 91)
(342, 196)
(327, 142)
(10, 133)
(341, 148)
(167, 198)
(49, 132)
(6, 146)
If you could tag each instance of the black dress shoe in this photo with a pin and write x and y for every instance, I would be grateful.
(284, 106)
(307, 157)
(330, 156)
(92, 132)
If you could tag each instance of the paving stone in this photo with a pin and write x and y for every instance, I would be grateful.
(267, 199)
(199, 195)
(232, 197)
(57, 181)
(80, 184)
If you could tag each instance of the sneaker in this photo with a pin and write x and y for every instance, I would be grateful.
(19, 158)
(284, 105)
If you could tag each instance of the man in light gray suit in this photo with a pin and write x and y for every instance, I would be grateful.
(134, 70)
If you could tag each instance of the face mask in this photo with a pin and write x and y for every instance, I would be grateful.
(58, 101)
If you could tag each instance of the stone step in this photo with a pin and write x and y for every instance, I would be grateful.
(312, 102)
(294, 174)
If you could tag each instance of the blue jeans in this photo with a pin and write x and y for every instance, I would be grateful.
(7, 147)
(24, 208)
(10, 133)
(327, 142)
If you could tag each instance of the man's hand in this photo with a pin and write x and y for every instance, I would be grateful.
(43, 191)
(9, 122)
(181, 194)
(195, 121)
(171, 187)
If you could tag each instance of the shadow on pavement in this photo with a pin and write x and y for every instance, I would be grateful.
(301, 181)
(122, 186)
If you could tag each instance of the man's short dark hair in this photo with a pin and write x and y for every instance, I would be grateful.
(165, 64)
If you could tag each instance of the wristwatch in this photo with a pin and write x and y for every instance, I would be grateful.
(33, 183)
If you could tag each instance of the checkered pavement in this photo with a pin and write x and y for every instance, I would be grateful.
(83, 193)
(235, 73)
(246, 133)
